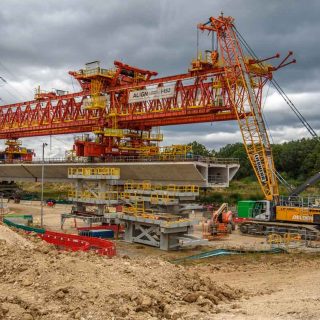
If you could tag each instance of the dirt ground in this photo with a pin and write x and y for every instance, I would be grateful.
(39, 282)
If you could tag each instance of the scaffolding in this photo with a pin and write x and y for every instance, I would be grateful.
(94, 186)
(98, 186)
(170, 195)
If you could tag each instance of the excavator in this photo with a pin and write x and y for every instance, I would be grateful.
(244, 78)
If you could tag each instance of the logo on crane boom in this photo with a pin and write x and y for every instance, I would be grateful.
(151, 94)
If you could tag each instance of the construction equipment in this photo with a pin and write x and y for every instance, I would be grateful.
(244, 92)
(221, 221)
(125, 105)
(15, 153)
(10, 190)
(122, 105)
(309, 182)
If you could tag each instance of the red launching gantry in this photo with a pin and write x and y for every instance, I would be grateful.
(122, 105)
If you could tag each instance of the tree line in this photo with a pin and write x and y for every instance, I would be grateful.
(295, 160)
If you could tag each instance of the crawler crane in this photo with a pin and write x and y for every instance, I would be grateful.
(276, 212)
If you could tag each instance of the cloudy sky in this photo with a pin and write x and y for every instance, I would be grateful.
(42, 40)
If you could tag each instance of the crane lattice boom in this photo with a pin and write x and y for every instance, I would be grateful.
(245, 97)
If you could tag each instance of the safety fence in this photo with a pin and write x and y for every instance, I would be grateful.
(140, 158)
(153, 198)
(67, 242)
(10, 223)
(289, 238)
(80, 243)
(146, 185)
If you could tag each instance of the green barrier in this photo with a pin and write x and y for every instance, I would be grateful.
(22, 227)
(63, 202)
(36, 198)
(30, 197)
(28, 217)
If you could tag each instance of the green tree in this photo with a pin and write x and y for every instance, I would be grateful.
(237, 150)
(199, 149)
(295, 160)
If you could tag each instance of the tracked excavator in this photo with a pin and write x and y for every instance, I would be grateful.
(241, 74)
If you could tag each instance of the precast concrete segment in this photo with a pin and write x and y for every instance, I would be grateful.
(182, 173)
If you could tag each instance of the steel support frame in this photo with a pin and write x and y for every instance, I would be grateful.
(154, 235)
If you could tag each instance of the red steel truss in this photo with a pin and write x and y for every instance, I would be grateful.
(201, 95)
(194, 102)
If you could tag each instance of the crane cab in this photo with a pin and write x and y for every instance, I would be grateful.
(258, 210)
(262, 210)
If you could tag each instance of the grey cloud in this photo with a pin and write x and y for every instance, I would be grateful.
(42, 40)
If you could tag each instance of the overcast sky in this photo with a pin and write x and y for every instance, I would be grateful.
(42, 40)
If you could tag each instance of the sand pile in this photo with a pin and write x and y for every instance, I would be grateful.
(42, 283)
(12, 238)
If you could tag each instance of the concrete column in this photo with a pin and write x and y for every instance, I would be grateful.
(101, 209)
(164, 241)
(78, 187)
(228, 176)
(128, 234)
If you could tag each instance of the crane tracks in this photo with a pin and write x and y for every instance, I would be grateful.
(263, 228)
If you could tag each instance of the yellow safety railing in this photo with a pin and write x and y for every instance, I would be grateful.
(135, 211)
(109, 73)
(108, 195)
(109, 132)
(95, 101)
(291, 237)
(97, 130)
(170, 188)
(137, 186)
(274, 238)
(150, 215)
(101, 171)
(285, 239)
(13, 143)
(176, 150)
(154, 198)
(161, 198)
(152, 136)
